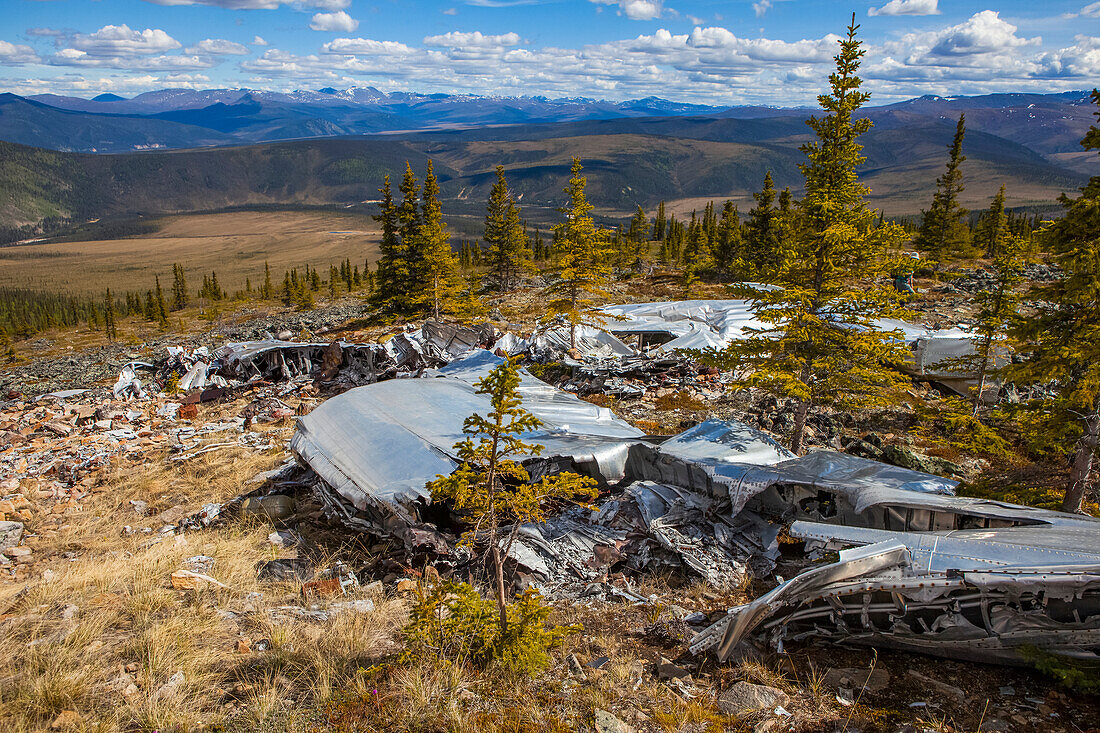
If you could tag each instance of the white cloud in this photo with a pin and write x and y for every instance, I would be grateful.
(761, 7)
(983, 32)
(338, 22)
(450, 11)
(635, 9)
(1091, 11)
(459, 39)
(12, 54)
(906, 7)
(257, 41)
(361, 46)
(76, 57)
(121, 40)
(218, 47)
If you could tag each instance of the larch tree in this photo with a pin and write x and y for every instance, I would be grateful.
(581, 267)
(491, 487)
(944, 234)
(820, 344)
(439, 269)
(1062, 340)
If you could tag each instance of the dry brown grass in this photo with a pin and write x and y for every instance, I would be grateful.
(77, 636)
(235, 245)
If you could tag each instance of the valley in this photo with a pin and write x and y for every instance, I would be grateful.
(234, 244)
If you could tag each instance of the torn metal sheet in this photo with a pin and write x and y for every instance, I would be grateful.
(713, 324)
(378, 445)
(971, 594)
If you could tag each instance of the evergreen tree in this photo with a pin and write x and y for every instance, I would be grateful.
(727, 243)
(390, 292)
(659, 223)
(639, 227)
(820, 344)
(268, 291)
(944, 234)
(110, 328)
(440, 271)
(580, 270)
(992, 228)
(762, 232)
(179, 288)
(288, 289)
(997, 310)
(491, 487)
(507, 252)
(1063, 338)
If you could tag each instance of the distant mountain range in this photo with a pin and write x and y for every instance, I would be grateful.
(326, 147)
(185, 118)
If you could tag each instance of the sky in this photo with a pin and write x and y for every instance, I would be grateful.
(728, 52)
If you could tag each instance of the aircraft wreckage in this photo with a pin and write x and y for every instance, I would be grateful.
(919, 568)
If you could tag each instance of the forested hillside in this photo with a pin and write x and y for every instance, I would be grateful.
(678, 159)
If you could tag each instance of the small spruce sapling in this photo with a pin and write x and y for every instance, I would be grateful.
(491, 487)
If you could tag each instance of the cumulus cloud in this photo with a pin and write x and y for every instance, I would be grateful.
(257, 41)
(458, 39)
(338, 22)
(983, 32)
(635, 9)
(218, 47)
(761, 7)
(12, 54)
(121, 40)
(906, 7)
(76, 57)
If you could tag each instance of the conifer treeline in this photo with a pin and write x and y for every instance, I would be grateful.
(25, 312)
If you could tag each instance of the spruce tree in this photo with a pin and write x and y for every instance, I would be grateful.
(580, 269)
(1062, 340)
(639, 227)
(997, 310)
(507, 251)
(762, 232)
(491, 487)
(439, 269)
(726, 249)
(659, 223)
(179, 288)
(390, 293)
(110, 328)
(944, 234)
(820, 344)
(992, 228)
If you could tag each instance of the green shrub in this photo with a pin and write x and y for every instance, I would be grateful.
(453, 622)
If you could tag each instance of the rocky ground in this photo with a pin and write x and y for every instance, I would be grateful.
(141, 588)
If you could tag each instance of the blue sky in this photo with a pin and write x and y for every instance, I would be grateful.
(709, 51)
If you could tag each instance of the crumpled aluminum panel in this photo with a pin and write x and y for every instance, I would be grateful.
(972, 594)
(379, 444)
